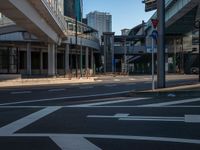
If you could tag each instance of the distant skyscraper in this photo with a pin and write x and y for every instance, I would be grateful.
(57, 5)
(61, 6)
(73, 9)
(101, 21)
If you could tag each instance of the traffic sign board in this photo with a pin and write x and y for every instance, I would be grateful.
(150, 5)
(154, 34)
(154, 22)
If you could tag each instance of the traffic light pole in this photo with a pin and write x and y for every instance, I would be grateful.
(161, 44)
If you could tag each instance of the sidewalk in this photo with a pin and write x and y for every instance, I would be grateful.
(44, 81)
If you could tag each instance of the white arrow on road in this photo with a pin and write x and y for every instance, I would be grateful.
(127, 117)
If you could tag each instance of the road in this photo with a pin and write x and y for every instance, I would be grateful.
(98, 116)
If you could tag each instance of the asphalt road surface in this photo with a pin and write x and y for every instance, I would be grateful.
(98, 116)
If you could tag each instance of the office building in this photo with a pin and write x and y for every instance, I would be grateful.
(73, 9)
(101, 21)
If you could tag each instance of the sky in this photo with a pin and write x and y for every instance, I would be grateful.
(125, 13)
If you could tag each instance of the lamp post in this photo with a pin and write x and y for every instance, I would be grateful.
(76, 45)
(81, 50)
(197, 25)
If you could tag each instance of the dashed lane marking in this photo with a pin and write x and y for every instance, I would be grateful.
(86, 87)
(109, 102)
(110, 85)
(56, 90)
(119, 137)
(117, 80)
(67, 97)
(171, 103)
(21, 92)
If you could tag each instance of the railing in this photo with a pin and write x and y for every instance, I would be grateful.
(55, 12)
(67, 24)
(81, 28)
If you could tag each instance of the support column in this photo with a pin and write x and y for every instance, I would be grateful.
(41, 62)
(51, 60)
(87, 61)
(161, 44)
(92, 61)
(67, 69)
(12, 61)
(174, 57)
(28, 60)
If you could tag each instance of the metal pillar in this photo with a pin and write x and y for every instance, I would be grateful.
(86, 61)
(92, 61)
(81, 59)
(161, 44)
(175, 50)
(51, 60)
(28, 60)
(125, 57)
(67, 69)
(76, 40)
(41, 62)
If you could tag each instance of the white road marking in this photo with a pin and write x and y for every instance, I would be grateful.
(62, 98)
(99, 80)
(150, 118)
(117, 80)
(120, 137)
(103, 116)
(21, 92)
(132, 79)
(56, 90)
(110, 85)
(171, 103)
(86, 87)
(109, 102)
(147, 78)
(126, 117)
(66, 142)
(68, 106)
(192, 118)
(25, 121)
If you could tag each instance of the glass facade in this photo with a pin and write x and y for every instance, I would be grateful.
(101, 21)
(73, 9)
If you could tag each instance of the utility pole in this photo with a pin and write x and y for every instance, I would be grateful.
(161, 44)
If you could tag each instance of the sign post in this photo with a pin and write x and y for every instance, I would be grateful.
(154, 36)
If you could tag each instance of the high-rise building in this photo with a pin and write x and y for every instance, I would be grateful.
(57, 5)
(61, 6)
(101, 21)
(73, 9)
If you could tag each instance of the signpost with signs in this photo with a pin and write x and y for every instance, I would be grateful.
(160, 6)
(154, 36)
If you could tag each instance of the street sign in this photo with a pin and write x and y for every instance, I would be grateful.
(154, 23)
(150, 5)
(154, 34)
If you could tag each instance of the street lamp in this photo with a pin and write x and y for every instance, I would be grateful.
(197, 25)
(81, 50)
